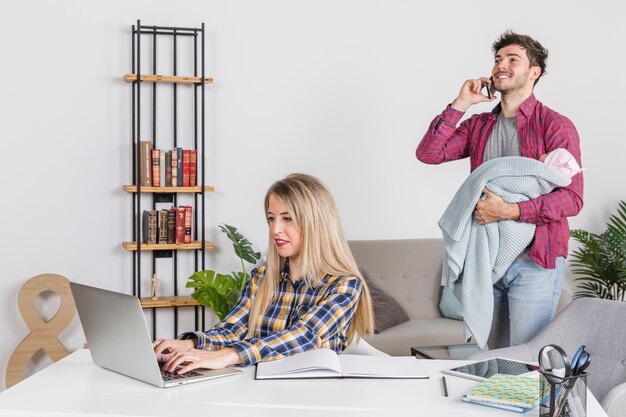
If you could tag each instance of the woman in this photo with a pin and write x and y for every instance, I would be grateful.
(309, 295)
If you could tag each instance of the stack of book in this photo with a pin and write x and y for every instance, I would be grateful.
(507, 392)
(167, 226)
(167, 168)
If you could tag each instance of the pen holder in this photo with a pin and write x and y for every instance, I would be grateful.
(565, 399)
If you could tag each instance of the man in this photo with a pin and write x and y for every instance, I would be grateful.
(526, 297)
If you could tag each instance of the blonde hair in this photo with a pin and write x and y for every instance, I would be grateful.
(324, 249)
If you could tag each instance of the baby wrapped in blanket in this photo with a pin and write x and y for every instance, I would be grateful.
(477, 256)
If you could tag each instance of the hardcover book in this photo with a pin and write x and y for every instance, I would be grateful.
(193, 156)
(171, 225)
(168, 168)
(174, 168)
(149, 227)
(326, 363)
(179, 173)
(508, 392)
(186, 166)
(156, 168)
(162, 169)
(188, 221)
(180, 224)
(162, 226)
(145, 163)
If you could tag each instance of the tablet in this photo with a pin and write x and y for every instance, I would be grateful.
(482, 370)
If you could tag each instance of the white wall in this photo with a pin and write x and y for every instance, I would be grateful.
(340, 89)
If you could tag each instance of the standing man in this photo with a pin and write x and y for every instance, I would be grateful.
(526, 297)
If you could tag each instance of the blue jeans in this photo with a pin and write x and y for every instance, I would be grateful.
(525, 300)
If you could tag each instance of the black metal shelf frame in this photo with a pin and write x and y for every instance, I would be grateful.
(139, 31)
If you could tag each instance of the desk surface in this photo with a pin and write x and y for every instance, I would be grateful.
(76, 386)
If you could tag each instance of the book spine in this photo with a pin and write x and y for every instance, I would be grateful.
(186, 162)
(162, 168)
(188, 220)
(174, 168)
(179, 157)
(193, 157)
(156, 168)
(168, 168)
(163, 226)
(145, 163)
(171, 225)
(180, 224)
(149, 223)
(144, 226)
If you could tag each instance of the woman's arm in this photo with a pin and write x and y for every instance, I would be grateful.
(326, 319)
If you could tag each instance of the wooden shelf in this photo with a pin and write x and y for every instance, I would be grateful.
(133, 189)
(168, 246)
(176, 79)
(170, 301)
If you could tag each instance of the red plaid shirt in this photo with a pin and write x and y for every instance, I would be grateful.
(540, 130)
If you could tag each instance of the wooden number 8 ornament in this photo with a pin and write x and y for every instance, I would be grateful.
(43, 334)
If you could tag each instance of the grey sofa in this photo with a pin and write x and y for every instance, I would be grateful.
(410, 271)
(601, 326)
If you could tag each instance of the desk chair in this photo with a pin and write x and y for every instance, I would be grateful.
(601, 326)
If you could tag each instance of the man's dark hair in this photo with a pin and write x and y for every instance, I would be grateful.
(536, 53)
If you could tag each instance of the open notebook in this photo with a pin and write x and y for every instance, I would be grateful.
(325, 363)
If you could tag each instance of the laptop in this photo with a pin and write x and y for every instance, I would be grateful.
(119, 339)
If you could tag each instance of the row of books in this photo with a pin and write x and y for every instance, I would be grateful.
(167, 226)
(167, 168)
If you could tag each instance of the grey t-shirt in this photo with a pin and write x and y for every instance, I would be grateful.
(503, 140)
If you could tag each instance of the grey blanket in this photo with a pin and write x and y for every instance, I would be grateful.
(477, 256)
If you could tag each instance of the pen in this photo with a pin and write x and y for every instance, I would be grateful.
(445, 386)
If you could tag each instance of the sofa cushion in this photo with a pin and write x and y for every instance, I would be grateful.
(387, 311)
(398, 340)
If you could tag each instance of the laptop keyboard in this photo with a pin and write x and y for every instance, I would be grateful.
(171, 376)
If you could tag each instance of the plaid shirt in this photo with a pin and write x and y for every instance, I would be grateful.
(540, 130)
(299, 319)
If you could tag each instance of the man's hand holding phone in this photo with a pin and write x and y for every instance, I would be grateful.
(470, 94)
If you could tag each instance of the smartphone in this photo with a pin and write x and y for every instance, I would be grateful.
(489, 93)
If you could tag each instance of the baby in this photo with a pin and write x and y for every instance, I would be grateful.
(561, 161)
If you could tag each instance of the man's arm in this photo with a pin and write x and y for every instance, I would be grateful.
(443, 141)
(560, 203)
(564, 201)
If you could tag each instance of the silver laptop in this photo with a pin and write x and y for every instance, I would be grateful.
(119, 340)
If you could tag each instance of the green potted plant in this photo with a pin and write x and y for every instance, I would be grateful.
(600, 261)
(218, 291)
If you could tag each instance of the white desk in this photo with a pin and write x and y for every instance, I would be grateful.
(75, 386)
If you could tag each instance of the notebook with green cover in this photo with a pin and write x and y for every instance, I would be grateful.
(509, 392)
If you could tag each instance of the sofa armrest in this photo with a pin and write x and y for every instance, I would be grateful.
(614, 403)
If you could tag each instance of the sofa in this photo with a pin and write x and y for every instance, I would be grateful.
(410, 272)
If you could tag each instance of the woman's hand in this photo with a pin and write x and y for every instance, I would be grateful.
(194, 358)
(165, 348)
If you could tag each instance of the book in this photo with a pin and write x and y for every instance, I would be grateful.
(168, 168)
(149, 227)
(326, 363)
(193, 157)
(162, 226)
(180, 224)
(171, 225)
(145, 163)
(156, 168)
(179, 173)
(174, 168)
(188, 221)
(508, 392)
(162, 169)
(186, 166)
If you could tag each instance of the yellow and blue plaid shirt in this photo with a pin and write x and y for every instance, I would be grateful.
(300, 318)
